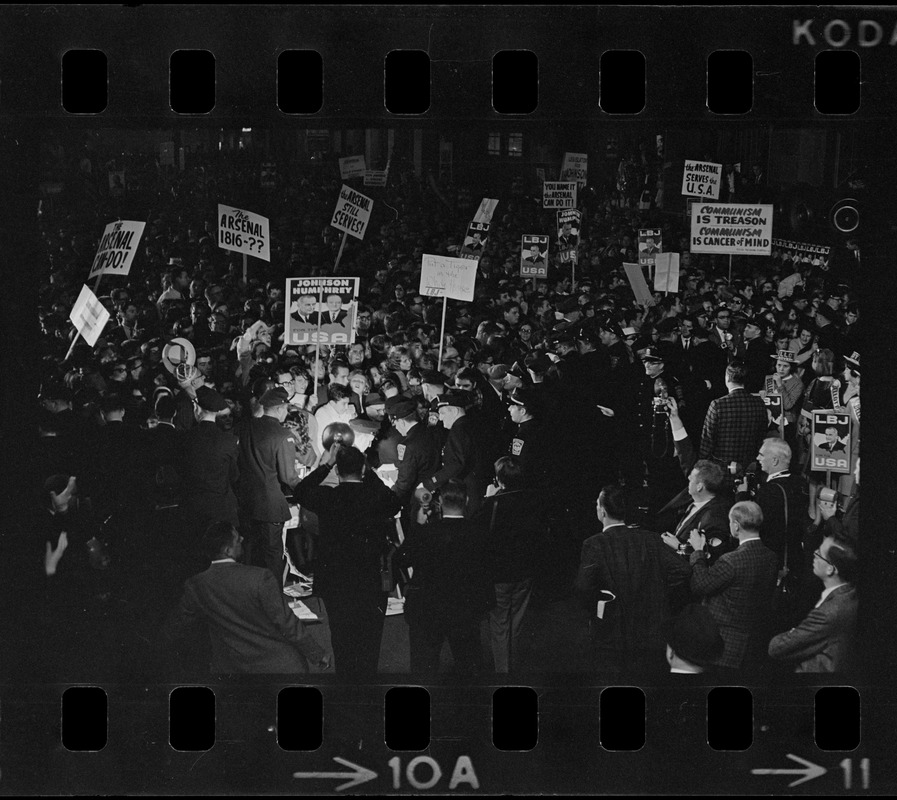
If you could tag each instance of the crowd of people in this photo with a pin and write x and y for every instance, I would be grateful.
(560, 443)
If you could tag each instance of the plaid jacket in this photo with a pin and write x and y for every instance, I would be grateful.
(734, 428)
(738, 590)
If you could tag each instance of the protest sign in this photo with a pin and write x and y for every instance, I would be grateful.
(831, 442)
(786, 251)
(320, 310)
(666, 272)
(243, 232)
(486, 210)
(475, 240)
(351, 167)
(559, 194)
(117, 248)
(702, 179)
(733, 228)
(639, 285)
(352, 212)
(575, 167)
(569, 221)
(375, 177)
(444, 276)
(89, 316)
(533, 256)
(649, 245)
(773, 403)
(268, 176)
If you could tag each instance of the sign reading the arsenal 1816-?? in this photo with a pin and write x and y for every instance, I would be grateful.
(352, 212)
(559, 194)
(735, 228)
(117, 248)
(702, 179)
(243, 232)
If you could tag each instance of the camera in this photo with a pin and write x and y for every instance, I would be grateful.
(660, 406)
(828, 495)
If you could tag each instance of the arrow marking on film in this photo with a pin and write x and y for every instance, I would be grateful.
(809, 770)
(358, 775)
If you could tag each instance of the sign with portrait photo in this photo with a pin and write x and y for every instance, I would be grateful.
(533, 256)
(569, 223)
(830, 438)
(475, 240)
(321, 310)
(773, 403)
(649, 245)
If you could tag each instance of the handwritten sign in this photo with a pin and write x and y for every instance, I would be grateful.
(575, 167)
(559, 194)
(89, 316)
(243, 232)
(351, 167)
(702, 179)
(734, 228)
(117, 248)
(352, 212)
(375, 177)
(444, 276)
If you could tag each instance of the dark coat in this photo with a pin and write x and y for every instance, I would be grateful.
(267, 464)
(463, 459)
(210, 473)
(734, 428)
(355, 523)
(641, 571)
(515, 530)
(419, 459)
(773, 497)
(738, 590)
(251, 625)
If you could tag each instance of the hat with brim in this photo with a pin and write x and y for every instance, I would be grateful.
(176, 352)
(788, 356)
(854, 360)
(456, 399)
(400, 407)
(653, 355)
(209, 400)
(274, 397)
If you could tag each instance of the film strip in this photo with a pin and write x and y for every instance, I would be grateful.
(809, 93)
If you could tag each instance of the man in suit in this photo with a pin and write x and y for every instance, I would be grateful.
(450, 590)
(722, 334)
(832, 444)
(253, 629)
(738, 588)
(305, 310)
(640, 573)
(354, 523)
(334, 315)
(267, 464)
(824, 640)
(210, 466)
(736, 424)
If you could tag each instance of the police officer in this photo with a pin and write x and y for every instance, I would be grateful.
(267, 464)
(210, 466)
(462, 456)
(418, 449)
(528, 443)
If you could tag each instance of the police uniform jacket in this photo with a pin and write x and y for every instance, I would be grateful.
(419, 459)
(462, 458)
(210, 473)
(267, 462)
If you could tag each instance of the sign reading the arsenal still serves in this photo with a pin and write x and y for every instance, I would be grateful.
(831, 441)
(702, 179)
(575, 168)
(559, 194)
(444, 276)
(735, 228)
(321, 310)
(352, 212)
(243, 232)
(534, 256)
(117, 248)
(89, 316)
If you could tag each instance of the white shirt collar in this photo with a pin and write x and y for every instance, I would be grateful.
(700, 505)
(224, 561)
(752, 539)
(827, 592)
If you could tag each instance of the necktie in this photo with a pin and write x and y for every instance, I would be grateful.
(688, 513)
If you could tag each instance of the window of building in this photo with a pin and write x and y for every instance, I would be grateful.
(515, 144)
(494, 144)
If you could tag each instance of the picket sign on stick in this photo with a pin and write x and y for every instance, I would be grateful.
(442, 332)
(339, 255)
(444, 276)
(318, 337)
(77, 332)
(245, 268)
